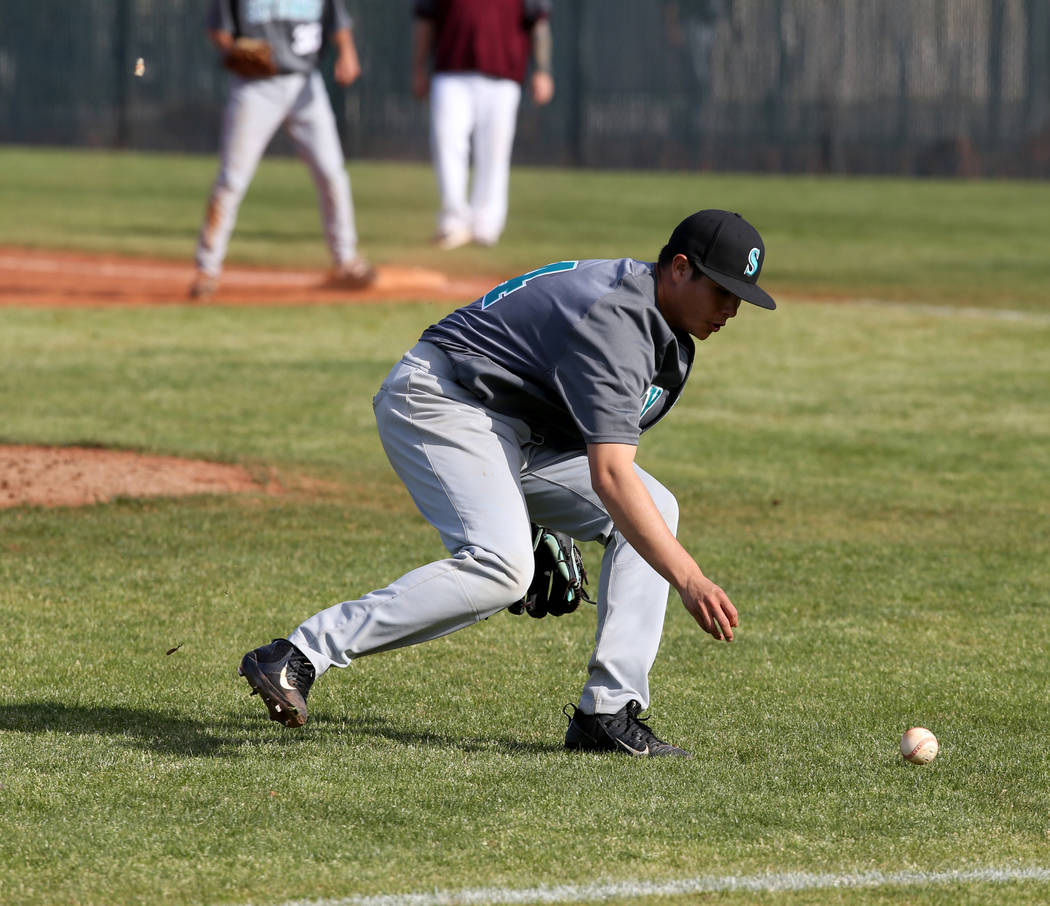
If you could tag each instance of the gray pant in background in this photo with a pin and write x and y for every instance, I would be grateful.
(478, 478)
(257, 108)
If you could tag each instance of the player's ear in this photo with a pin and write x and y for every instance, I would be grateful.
(681, 267)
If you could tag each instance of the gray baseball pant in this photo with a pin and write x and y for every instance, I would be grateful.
(478, 478)
(257, 108)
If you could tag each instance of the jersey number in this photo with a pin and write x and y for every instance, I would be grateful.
(307, 38)
(515, 283)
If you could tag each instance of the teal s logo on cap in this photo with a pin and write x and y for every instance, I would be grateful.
(727, 249)
(752, 262)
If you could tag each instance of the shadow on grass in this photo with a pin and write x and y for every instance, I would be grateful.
(371, 727)
(173, 735)
(140, 728)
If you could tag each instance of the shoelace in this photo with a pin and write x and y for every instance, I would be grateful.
(301, 673)
(636, 727)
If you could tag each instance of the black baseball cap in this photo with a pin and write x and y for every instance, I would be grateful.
(727, 248)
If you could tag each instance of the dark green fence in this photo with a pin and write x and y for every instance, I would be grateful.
(954, 87)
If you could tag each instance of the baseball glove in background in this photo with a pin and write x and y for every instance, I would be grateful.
(559, 582)
(251, 58)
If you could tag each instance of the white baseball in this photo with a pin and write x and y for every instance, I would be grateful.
(919, 746)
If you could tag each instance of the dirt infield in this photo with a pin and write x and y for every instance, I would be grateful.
(30, 277)
(79, 476)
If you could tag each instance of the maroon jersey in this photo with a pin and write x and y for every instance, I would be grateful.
(492, 37)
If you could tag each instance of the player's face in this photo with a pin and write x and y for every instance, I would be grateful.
(699, 306)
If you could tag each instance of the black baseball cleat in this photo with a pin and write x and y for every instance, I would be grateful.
(281, 676)
(624, 732)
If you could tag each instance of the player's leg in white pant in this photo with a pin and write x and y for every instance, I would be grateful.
(461, 465)
(312, 127)
(496, 102)
(253, 114)
(632, 596)
(451, 125)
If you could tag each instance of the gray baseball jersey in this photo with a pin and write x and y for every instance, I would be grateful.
(295, 29)
(576, 349)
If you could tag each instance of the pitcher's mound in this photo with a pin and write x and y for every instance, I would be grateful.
(77, 476)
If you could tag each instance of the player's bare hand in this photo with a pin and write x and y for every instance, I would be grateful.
(542, 87)
(710, 606)
(347, 68)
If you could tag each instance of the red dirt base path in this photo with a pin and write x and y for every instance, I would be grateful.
(76, 279)
(78, 476)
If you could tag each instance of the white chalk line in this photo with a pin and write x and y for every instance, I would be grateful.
(782, 882)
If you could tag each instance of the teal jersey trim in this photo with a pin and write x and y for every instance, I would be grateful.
(651, 397)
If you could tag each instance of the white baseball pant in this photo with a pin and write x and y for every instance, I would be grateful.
(473, 116)
(256, 109)
(478, 478)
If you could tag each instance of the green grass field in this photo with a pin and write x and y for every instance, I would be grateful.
(951, 242)
(870, 482)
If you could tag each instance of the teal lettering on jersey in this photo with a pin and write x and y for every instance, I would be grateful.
(752, 262)
(515, 283)
(653, 394)
(258, 12)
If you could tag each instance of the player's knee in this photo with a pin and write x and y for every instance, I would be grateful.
(517, 576)
(231, 185)
(509, 573)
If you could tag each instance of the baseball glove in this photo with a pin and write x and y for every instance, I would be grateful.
(559, 582)
(251, 58)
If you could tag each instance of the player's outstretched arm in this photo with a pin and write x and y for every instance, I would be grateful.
(635, 514)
